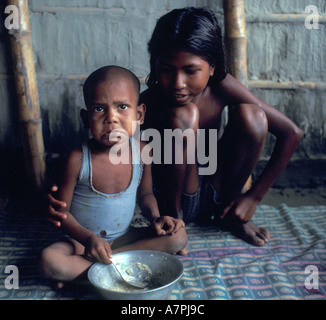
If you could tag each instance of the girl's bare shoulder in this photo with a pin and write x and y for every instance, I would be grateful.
(227, 85)
(232, 91)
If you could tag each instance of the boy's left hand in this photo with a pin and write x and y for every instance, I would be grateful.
(167, 225)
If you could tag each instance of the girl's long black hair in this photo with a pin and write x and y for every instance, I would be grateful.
(194, 30)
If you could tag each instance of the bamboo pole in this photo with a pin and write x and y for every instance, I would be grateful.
(287, 85)
(236, 43)
(236, 39)
(259, 84)
(27, 96)
(283, 18)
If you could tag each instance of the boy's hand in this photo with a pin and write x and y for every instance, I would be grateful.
(98, 249)
(54, 216)
(167, 225)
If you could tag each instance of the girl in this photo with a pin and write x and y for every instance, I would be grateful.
(188, 88)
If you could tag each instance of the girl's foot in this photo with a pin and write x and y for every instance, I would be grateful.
(251, 233)
(246, 231)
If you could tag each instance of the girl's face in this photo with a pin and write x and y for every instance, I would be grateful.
(182, 76)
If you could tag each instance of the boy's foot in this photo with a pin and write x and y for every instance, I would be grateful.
(183, 252)
(59, 285)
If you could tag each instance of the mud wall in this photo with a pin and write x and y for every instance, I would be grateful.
(286, 66)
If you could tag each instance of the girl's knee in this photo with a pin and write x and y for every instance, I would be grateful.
(186, 118)
(252, 120)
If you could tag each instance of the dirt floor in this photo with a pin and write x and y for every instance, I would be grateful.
(296, 197)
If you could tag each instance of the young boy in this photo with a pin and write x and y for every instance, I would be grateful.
(100, 188)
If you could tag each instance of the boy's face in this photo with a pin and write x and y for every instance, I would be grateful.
(113, 105)
(182, 76)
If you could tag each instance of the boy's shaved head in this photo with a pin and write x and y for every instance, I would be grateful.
(108, 73)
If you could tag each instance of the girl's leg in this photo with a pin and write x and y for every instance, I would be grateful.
(172, 180)
(239, 149)
(63, 261)
(238, 152)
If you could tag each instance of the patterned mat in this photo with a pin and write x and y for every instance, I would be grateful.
(219, 266)
(291, 266)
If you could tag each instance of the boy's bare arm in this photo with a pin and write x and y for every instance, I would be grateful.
(65, 194)
(58, 205)
(96, 248)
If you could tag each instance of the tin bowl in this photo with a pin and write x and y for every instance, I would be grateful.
(159, 270)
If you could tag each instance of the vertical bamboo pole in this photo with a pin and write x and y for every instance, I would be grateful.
(236, 43)
(27, 96)
(236, 39)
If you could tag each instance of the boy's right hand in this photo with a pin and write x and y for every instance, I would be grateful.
(54, 216)
(98, 249)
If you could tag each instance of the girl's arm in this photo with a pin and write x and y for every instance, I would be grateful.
(287, 134)
(54, 216)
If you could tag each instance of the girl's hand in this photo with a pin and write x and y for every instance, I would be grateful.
(242, 208)
(167, 225)
(54, 216)
(98, 249)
